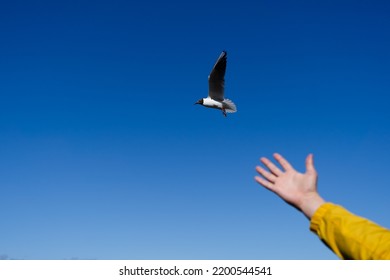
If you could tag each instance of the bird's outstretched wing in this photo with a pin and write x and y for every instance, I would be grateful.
(217, 78)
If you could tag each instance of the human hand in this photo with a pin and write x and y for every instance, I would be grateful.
(297, 189)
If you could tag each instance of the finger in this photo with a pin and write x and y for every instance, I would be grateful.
(269, 176)
(283, 162)
(272, 167)
(310, 164)
(264, 183)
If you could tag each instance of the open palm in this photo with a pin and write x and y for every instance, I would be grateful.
(293, 187)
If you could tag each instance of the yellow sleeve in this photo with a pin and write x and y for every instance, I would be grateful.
(350, 236)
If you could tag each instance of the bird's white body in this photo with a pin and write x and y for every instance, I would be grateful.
(216, 98)
(226, 104)
(209, 102)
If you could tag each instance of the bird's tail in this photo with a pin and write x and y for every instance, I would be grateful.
(229, 106)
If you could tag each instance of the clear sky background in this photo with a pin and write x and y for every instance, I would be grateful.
(104, 156)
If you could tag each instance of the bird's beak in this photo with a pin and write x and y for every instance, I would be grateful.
(200, 101)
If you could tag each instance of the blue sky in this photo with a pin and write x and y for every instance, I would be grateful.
(104, 156)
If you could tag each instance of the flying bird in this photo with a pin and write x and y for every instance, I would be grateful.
(216, 98)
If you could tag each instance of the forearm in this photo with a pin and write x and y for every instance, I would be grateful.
(350, 236)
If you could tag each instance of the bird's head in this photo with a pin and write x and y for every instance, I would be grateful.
(200, 101)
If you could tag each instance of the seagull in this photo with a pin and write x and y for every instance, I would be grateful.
(216, 98)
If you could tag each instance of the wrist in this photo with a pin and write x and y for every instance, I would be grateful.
(310, 203)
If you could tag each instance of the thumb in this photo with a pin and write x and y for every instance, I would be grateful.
(310, 164)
